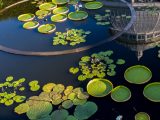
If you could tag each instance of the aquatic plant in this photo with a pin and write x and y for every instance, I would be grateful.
(34, 85)
(30, 25)
(102, 19)
(78, 15)
(60, 2)
(121, 94)
(99, 87)
(8, 91)
(59, 18)
(142, 116)
(97, 65)
(93, 5)
(47, 28)
(73, 2)
(73, 70)
(61, 10)
(59, 114)
(137, 74)
(151, 92)
(42, 13)
(47, 6)
(71, 37)
(26, 17)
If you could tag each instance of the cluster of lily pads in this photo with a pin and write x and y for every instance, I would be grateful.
(9, 89)
(71, 37)
(97, 65)
(41, 107)
(102, 87)
(103, 19)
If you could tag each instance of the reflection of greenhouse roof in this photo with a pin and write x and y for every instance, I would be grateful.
(146, 22)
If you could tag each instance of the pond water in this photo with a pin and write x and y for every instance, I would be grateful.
(55, 68)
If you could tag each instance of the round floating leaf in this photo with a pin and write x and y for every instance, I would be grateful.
(138, 74)
(61, 10)
(48, 87)
(77, 101)
(47, 6)
(19, 98)
(59, 18)
(21, 88)
(33, 83)
(78, 15)
(71, 117)
(35, 88)
(42, 13)
(67, 104)
(59, 114)
(9, 102)
(60, 2)
(47, 28)
(99, 87)
(22, 108)
(39, 110)
(120, 61)
(142, 116)
(30, 25)
(85, 111)
(71, 96)
(26, 17)
(121, 94)
(9, 78)
(93, 5)
(151, 92)
(74, 70)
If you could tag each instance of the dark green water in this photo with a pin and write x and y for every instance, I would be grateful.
(55, 68)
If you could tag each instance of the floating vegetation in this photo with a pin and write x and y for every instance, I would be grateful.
(85, 111)
(47, 28)
(71, 37)
(30, 25)
(93, 5)
(34, 86)
(142, 116)
(47, 6)
(73, 70)
(41, 107)
(61, 10)
(26, 17)
(60, 2)
(42, 13)
(59, 18)
(138, 74)
(87, 0)
(97, 65)
(102, 19)
(73, 2)
(99, 87)
(9, 89)
(78, 15)
(121, 94)
(151, 92)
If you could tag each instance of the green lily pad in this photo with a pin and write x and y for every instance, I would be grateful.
(121, 94)
(142, 116)
(42, 13)
(93, 5)
(67, 104)
(59, 18)
(99, 87)
(30, 25)
(85, 111)
(71, 117)
(9, 78)
(47, 6)
(35, 88)
(60, 2)
(26, 17)
(59, 114)
(47, 28)
(61, 10)
(22, 108)
(73, 70)
(120, 62)
(138, 74)
(9, 102)
(78, 15)
(48, 87)
(151, 92)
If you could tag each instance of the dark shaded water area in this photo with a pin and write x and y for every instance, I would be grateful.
(55, 69)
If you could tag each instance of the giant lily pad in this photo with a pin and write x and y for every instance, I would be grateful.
(78, 15)
(31, 25)
(85, 111)
(61, 10)
(59, 18)
(60, 2)
(151, 91)
(138, 74)
(26, 17)
(47, 6)
(93, 5)
(121, 94)
(39, 110)
(47, 28)
(142, 116)
(42, 13)
(99, 87)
